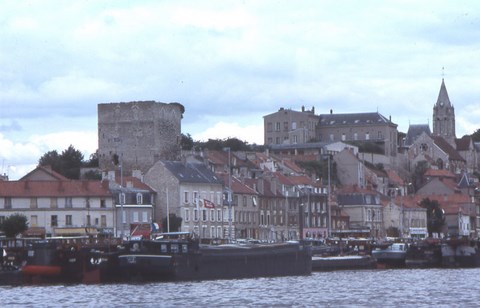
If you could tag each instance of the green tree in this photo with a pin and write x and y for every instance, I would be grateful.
(435, 216)
(476, 136)
(14, 225)
(67, 164)
(175, 223)
(187, 142)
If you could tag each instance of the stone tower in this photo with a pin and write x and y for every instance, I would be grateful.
(444, 116)
(138, 134)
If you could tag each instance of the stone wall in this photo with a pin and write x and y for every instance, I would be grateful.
(138, 133)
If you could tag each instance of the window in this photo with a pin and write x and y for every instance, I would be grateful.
(68, 202)
(367, 136)
(344, 137)
(195, 197)
(212, 231)
(53, 203)
(269, 126)
(124, 217)
(103, 203)
(185, 196)
(219, 232)
(8, 203)
(68, 220)
(277, 126)
(254, 201)
(295, 139)
(332, 138)
(103, 219)
(33, 220)
(187, 215)
(96, 221)
(135, 217)
(195, 215)
(53, 221)
(145, 216)
(219, 215)
(285, 126)
(139, 198)
(212, 215)
(294, 125)
(89, 221)
(33, 203)
(122, 198)
(244, 201)
(204, 215)
(355, 136)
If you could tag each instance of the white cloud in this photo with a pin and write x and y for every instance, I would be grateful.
(222, 130)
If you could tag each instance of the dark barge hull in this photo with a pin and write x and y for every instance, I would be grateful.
(218, 262)
(343, 263)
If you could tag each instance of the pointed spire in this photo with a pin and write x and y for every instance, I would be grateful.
(443, 99)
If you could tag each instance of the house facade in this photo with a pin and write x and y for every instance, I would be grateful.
(56, 206)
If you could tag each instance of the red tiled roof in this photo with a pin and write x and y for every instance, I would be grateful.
(394, 178)
(237, 186)
(463, 144)
(69, 188)
(44, 169)
(439, 173)
(447, 148)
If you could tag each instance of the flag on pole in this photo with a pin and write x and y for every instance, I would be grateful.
(208, 204)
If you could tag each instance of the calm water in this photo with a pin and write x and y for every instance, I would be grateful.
(367, 288)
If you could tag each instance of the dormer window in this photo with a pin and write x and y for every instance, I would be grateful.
(139, 198)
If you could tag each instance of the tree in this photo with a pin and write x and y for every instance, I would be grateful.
(187, 142)
(14, 225)
(476, 136)
(435, 216)
(67, 164)
(175, 223)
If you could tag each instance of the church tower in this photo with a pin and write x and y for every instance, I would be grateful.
(444, 116)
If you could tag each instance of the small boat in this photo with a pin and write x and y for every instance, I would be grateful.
(390, 255)
(347, 262)
(184, 258)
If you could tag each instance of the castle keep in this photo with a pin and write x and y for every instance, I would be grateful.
(137, 134)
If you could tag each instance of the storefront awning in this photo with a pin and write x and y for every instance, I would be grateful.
(34, 232)
(75, 231)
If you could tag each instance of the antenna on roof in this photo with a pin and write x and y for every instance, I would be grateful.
(443, 72)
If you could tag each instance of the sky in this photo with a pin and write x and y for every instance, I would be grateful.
(229, 63)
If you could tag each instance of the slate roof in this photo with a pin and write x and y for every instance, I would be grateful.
(192, 172)
(415, 130)
(443, 96)
(353, 119)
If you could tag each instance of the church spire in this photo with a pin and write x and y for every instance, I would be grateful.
(444, 116)
(443, 100)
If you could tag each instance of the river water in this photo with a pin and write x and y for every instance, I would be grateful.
(365, 288)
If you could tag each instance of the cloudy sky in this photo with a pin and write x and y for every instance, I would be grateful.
(229, 63)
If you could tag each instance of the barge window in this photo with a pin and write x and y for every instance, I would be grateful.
(174, 248)
(163, 248)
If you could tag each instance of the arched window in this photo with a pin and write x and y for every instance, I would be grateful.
(139, 198)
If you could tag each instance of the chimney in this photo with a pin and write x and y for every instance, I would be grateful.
(313, 109)
(331, 111)
(303, 108)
